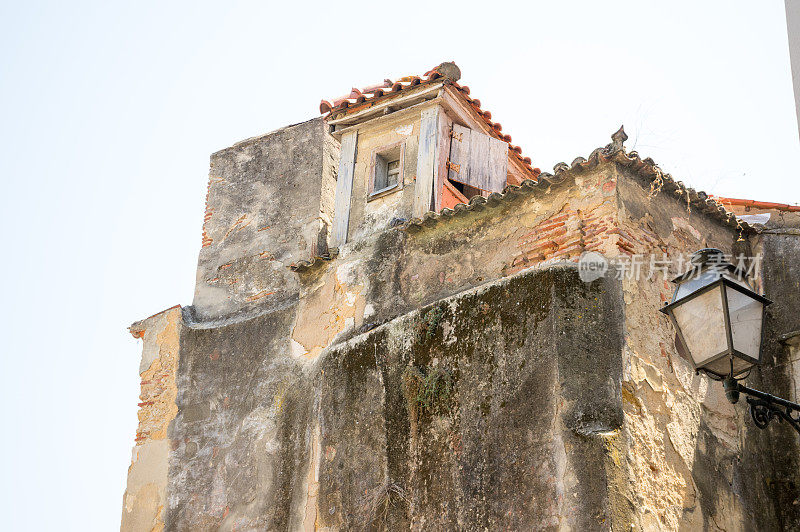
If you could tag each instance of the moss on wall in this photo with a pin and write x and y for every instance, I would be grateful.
(472, 412)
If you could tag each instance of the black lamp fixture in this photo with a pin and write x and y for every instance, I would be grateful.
(719, 321)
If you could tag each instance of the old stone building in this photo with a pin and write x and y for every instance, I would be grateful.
(389, 331)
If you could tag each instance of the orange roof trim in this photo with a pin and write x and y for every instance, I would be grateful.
(757, 204)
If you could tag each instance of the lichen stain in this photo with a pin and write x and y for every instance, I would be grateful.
(462, 419)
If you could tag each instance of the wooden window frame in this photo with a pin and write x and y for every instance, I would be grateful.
(371, 192)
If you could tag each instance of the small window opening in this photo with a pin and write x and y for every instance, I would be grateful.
(467, 190)
(387, 170)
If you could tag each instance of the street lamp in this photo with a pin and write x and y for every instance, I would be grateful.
(719, 320)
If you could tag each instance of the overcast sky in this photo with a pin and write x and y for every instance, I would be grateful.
(109, 111)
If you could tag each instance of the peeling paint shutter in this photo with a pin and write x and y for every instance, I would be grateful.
(478, 160)
(426, 161)
(344, 188)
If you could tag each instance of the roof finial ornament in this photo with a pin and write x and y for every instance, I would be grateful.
(618, 139)
(448, 70)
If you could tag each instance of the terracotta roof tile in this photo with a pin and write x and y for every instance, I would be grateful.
(445, 71)
(645, 169)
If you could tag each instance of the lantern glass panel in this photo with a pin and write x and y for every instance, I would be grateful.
(746, 316)
(702, 322)
(694, 283)
(722, 366)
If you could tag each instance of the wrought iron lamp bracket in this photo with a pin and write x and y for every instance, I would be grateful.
(763, 411)
(763, 406)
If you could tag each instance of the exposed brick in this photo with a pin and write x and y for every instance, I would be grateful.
(560, 217)
(158, 389)
(575, 249)
(567, 238)
(550, 226)
(259, 295)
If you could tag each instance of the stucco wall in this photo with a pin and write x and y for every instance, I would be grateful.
(264, 211)
(145, 495)
(368, 217)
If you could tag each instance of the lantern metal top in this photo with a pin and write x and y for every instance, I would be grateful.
(709, 259)
(707, 266)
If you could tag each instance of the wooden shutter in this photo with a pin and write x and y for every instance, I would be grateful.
(344, 188)
(478, 160)
(426, 162)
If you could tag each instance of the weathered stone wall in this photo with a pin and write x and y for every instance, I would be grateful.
(146, 493)
(693, 461)
(780, 248)
(793, 366)
(488, 409)
(239, 438)
(473, 416)
(395, 271)
(265, 209)
(457, 374)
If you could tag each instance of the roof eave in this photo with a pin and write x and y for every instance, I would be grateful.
(645, 169)
(378, 105)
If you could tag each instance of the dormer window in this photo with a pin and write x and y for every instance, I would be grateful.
(386, 173)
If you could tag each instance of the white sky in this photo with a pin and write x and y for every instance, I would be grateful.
(108, 114)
